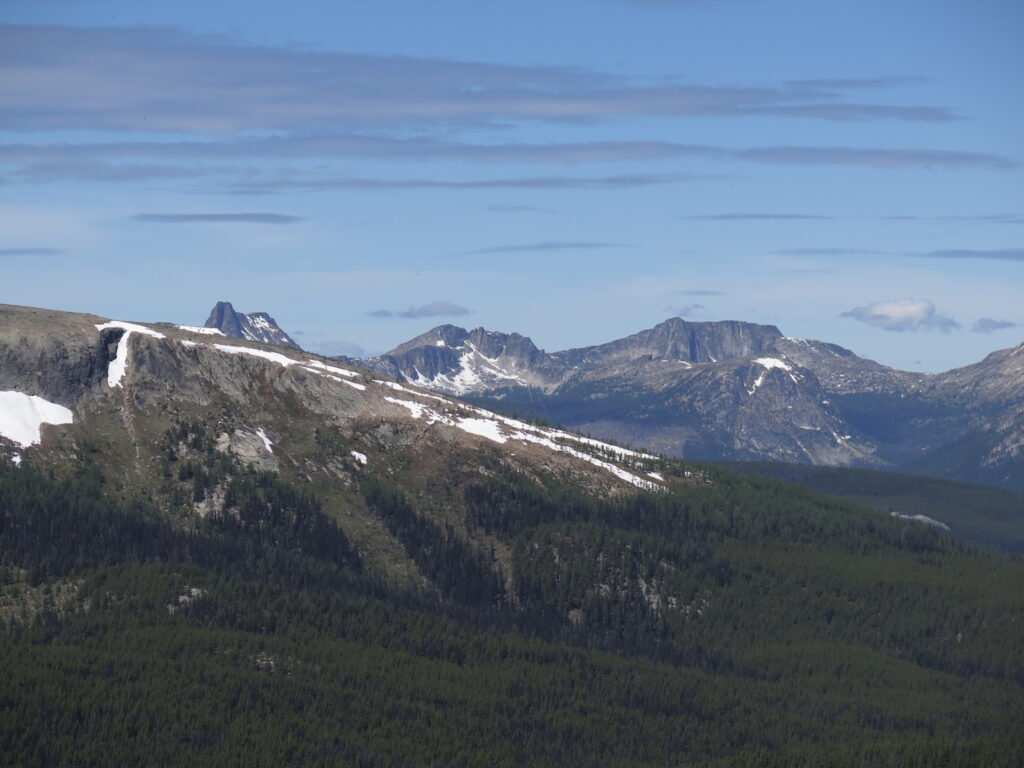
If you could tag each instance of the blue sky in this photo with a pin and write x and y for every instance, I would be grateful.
(365, 171)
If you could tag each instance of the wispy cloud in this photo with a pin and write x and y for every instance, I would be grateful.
(434, 309)
(876, 158)
(30, 251)
(826, 252)
(547, 245)
(106, 172)
(166, 79)
(218, 218)
(1003, 254)
(302, 183)
(990, 325)
(904, 315)
(106, 160)
(686, 311)
(757, 216)
(696, 292)
(517, 209)
(992, 218)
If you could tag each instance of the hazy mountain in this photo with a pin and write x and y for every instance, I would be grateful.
(740, 391)
(254, 326)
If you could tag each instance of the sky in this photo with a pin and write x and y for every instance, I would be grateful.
(851, 172)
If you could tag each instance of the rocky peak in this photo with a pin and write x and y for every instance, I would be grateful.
(679, 340)
(256, 326)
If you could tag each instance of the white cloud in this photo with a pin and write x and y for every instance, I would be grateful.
(903, 315)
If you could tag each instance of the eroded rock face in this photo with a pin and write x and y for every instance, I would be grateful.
(252, 446)
(53, 355)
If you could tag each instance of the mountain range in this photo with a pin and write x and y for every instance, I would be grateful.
(740, 391)
(226, 552)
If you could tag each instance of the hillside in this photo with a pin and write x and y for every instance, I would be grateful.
(235, 554)
(989, 516)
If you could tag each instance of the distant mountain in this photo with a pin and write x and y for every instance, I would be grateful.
(255, 326)
(741, 391)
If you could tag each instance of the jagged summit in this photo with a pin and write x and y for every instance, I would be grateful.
(256, 326)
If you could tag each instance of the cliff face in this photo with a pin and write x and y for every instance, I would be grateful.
(128, 385)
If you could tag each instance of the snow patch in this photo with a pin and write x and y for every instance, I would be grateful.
(483, 427)
(330, 368)
(490, 425)
(360, 387)
(924, 519)
(22, 417)
(360, 457)
(768, 363)
(274, 357)
(189, 343)
(419, 411)
(119, 365)
(773, 362)
(266, 440)
(203, 330)
(406, 390)
(130, 328)
(476, 371)
(656, 476)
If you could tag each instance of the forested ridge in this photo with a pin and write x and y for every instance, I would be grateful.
(727, 622)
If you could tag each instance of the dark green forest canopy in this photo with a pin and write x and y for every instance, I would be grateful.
(984, 514)
(730, 622)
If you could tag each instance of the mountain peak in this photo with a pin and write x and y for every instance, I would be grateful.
(255, 326)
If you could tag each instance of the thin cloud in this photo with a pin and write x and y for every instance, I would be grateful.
(904, 315)
(217, 218)
(687, 311)
(434, 309)
(856, 113)
(166, 79)
(517, 209)
(990, 325)
(547, 245)
(996, 218)
(105, 172)
(875, 158)
(845, 84)
(1004, 254)
(30, 251)
(696, 292)
(826, 252)
(308, 184)
(757, 216)
(63, 161)
(992, 218)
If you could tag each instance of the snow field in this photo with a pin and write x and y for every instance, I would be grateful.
(22, 417)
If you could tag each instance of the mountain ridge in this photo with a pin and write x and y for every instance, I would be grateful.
(733, 390)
